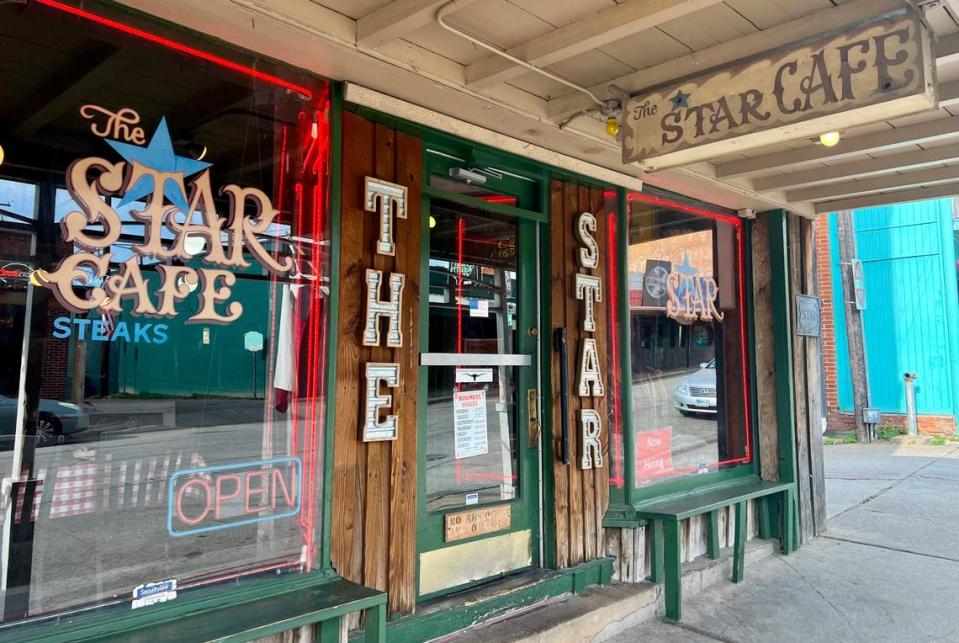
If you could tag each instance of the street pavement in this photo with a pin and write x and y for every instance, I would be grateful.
(886, 570)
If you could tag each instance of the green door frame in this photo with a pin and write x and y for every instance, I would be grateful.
(525, 514)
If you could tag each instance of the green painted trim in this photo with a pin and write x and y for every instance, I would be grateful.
(497, 208)
(625, 350)
(114, 620)
(336, 171)
(422, 385)
(548, 460)
(430, 625)
(782, 346)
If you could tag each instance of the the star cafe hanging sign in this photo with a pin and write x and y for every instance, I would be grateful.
(865, 74)
(156, 181)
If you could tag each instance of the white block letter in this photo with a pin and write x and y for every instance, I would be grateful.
(589, 289)
(390, 308)
(373, 429)
(381, 196)
(585, 226)
(590, 428)
(589, 377)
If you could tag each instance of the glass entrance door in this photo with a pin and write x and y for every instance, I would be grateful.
(478, 447)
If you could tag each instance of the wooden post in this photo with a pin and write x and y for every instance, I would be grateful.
(854, 336)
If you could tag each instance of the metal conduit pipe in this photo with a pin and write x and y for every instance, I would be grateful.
(453, 5)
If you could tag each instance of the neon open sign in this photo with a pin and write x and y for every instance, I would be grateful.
(220, 497)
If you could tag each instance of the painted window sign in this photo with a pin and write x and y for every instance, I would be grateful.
(220, 497)
(159, 178)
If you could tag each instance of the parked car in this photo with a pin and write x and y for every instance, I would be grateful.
(55, 419)
(696, 393)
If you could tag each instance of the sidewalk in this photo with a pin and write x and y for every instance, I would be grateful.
(887, 570)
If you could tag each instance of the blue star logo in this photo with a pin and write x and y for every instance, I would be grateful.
(158, 155)
(680, 100)
(686, 270)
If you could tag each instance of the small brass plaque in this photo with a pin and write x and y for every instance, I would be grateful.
(477, 522)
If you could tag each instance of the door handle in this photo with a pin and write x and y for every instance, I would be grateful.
(533, 417)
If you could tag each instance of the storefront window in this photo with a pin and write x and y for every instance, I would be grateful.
(164, 281)
(689, 383)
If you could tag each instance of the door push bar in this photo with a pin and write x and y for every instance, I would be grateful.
(559, 339)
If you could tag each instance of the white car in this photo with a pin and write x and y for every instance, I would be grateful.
(54, 419)
(697, 392)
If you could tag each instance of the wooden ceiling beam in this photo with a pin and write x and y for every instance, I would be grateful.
(727, 52)
(876, 184)
(581, 36)
(905, 161)
(927, 131)
(395, 20)
(889, 198)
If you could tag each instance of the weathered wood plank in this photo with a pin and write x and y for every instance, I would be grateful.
(558, 314)
(378, 454)
(796, 286)
(403, 491)
(349, 454)
(765, 356)
(587, 476)
(573, 324)
(814, 391)
(601, 476)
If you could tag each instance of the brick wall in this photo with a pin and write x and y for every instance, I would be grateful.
(824, 283)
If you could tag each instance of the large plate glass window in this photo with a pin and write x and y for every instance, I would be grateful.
(689, 368)
(164, 280)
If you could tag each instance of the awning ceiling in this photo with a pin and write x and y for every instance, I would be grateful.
(636, 45)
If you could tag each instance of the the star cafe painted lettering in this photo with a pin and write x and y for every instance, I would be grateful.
(691, 298)
(157, 177)
(589, 289)
(388, 201)
(865, 74)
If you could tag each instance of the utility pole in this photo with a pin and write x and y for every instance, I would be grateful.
(854, 334)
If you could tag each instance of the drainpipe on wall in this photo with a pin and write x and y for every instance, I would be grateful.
(911, 420)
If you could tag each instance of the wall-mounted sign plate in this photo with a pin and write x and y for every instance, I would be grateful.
(808, 317)
(476, 522)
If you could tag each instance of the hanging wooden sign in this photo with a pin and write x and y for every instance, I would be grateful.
(865, 74)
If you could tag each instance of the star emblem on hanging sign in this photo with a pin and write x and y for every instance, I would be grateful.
(158, 155)
(680, 100)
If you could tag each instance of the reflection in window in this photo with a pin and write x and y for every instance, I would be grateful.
(183, 443)
(686, 341)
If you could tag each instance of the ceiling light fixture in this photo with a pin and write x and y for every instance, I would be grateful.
(612, 126)
(829, 139)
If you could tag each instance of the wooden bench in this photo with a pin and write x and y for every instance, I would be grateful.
(665, 515)
(323, 603)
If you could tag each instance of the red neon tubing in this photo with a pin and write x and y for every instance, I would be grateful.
(176, 46)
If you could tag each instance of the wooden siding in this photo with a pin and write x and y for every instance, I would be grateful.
(765, 385)
(374, 484)
(581, 497)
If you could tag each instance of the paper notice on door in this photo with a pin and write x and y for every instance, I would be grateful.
(479, 307)
(469, 424)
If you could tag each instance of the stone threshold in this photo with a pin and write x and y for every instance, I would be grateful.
(602, 612)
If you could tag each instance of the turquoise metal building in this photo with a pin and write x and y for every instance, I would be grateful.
(911, 320)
